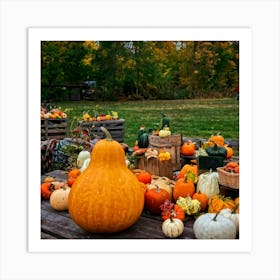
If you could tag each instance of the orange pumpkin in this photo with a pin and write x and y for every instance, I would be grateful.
(202, 198)
(72, 175)
(154, 198)
(46, 190)
(229, 151)
(183, 187)
(144, 177)
(218, 139)
(188, 148)
(106, 197)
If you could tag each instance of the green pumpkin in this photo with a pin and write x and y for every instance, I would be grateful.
(216, 151)
(164, 122)
(143, 140)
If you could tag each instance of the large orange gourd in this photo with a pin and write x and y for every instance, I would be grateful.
(106, 197)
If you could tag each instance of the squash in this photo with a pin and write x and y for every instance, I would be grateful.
(216, 150)
(165, 132)
(154, 198)
(172, 227)
(164, 122)
(214, 226)
(208, 183)
(59, 198)
(143, 140)
(232, 215)
(189, 205)
(218, 202)
(106, 197)
(202, 198)
(163, 183)
(184, 187)
(218, 139)
(82, 156)
(188, 148)
(229, 151)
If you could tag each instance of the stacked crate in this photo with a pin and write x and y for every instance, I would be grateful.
(53, 128)
(115, 127)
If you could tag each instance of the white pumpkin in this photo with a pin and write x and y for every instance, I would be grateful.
(232, 215)
(214, 226)
(208, 183)
(59, 199)
(172, 227)
(82, 156)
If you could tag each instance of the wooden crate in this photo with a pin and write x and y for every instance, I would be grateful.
(53, 129)
(171, 144)
(115, 127)
(155, 167)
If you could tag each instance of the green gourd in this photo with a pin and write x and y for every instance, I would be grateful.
(216, 151)
(143, 140)
(164, 122)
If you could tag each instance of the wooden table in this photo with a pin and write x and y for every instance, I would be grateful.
(59, 225)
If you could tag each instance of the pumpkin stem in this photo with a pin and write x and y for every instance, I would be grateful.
(235, 208)
(215, 218)
(107, 133)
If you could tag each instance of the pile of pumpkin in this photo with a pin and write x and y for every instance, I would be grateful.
(87, 117)
(54, 113)
(104, 180)
(191, 196)
(214, 146)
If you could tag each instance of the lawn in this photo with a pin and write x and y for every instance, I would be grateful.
(197, 118)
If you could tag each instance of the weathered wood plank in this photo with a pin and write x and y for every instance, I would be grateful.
(60, 225)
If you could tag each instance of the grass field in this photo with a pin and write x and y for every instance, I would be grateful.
(198, 118)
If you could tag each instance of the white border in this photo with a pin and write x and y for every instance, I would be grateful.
(36, 35)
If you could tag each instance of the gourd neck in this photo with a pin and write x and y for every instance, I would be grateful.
(107, 133)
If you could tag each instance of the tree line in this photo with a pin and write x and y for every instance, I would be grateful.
(141, 69)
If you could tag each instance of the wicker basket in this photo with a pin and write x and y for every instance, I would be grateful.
(227, 179)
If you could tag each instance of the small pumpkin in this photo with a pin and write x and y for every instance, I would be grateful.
(229, 151)
(232, 215)
(59, 199)
(188, 148)
(165, 132)
(214, 226)
(154, 198)
(144, 177)
(208, 183)
(106, 197)
(46, 190)
(163, 183)
(184, 187)
(218, 139)
(202, 198)
(173, 227)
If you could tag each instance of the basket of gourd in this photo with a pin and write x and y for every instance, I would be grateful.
(229, 175)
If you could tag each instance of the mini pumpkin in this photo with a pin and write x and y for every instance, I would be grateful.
(188, 148)
(232, 215)
(59, 199)
(214, 226)
(218, 139)
(202, 198)
(154, 198)
(172, 227)
(183, 187)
